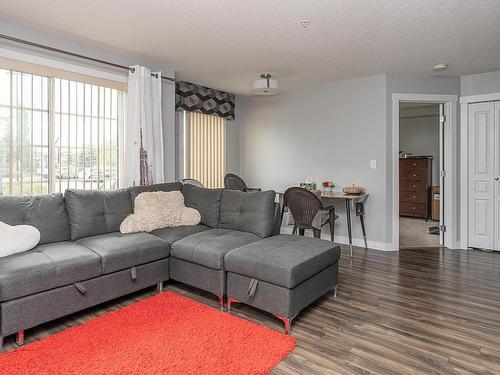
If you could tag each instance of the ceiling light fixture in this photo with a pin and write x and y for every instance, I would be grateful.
(440, 67)
(265, 85)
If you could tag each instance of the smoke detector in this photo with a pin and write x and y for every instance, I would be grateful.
(265, 85)
(305, 23)
(440, 67)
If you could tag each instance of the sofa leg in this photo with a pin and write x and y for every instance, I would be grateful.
(335, 290)
(1, 342)
(287, 322)
(221, 302)
(230, 301)
(20, 338)
(159, 286)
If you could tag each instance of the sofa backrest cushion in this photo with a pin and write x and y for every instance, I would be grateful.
(167, 186)
(248, 211)
(206, 201)
(47, 213)
(93, 212)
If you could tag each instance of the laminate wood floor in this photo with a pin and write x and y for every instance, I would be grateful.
(419, 311)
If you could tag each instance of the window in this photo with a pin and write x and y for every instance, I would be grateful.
(204, 148)
(58, 133)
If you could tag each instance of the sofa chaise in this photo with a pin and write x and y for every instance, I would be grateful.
(83, 260)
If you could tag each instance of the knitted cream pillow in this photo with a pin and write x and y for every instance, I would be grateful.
(159, 209)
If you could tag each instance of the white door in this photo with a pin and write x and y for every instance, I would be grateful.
(482, 145)
(496, 190)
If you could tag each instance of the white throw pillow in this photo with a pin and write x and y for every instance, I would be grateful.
(159, 209)
(17, 239)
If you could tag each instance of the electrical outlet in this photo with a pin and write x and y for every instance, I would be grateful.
(373, 164)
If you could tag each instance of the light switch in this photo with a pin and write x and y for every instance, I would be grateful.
(373, 164)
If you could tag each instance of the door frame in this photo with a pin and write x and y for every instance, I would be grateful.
(449, 197)
(464, 154)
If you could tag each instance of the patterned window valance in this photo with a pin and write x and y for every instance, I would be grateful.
(196, 98)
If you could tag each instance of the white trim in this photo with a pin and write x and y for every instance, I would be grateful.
(451, 166)
(358, 242)
(433, 98)
(480, 98)
(464, 150)
(57, 64)
(395, 174)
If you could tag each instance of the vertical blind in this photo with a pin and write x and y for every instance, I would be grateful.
(204, 145)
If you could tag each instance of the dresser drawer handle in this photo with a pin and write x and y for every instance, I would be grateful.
(414, 197)
(414, 164)
(414, 186)
(414, 208)
(414, 175)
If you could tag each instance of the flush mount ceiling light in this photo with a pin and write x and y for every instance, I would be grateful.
(265, 85)
(440, 67)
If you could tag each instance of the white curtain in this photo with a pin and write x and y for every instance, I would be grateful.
(143, 115)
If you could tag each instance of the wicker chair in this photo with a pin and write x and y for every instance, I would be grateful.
(192, 181)
(234, 182)
(304, 205)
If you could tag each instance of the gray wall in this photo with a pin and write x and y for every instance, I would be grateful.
(233, 141)
(327, 132)
(482, 83)
(103, 52)
(419, 134)
(331, 132)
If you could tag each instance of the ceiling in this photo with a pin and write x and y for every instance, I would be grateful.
(225, 43)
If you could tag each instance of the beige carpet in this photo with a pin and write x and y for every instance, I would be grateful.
(415, 233)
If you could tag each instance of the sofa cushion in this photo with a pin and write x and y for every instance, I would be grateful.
(134, 191)
(248, 211)
(46, 267)
(47, 213)
(206, 201)
(93, 212)
(208, 248)
(119, 251)
(285, 260)
(171, 235)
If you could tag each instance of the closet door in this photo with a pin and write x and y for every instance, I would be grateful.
(482, 144)
(496, 213)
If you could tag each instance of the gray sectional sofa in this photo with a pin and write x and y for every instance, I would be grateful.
(83, 260)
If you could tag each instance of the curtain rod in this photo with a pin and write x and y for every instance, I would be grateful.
(53, 49)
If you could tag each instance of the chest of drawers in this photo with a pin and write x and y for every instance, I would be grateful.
(415, 180)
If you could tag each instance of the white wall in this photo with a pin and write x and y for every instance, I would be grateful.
(419, 134)
(103, 52)
(482, 83)
(327, 132)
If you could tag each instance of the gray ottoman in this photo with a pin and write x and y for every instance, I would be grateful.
(282, 274)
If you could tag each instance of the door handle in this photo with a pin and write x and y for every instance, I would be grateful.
(497, 178)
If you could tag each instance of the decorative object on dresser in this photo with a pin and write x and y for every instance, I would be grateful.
(415, 179)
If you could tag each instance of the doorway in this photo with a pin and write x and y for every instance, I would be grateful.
(449, 186)
(420, 147)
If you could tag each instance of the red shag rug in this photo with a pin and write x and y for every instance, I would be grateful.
(164, 334)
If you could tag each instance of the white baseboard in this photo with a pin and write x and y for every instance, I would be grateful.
(359, 242)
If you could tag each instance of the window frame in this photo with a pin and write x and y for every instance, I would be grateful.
(52, 74)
